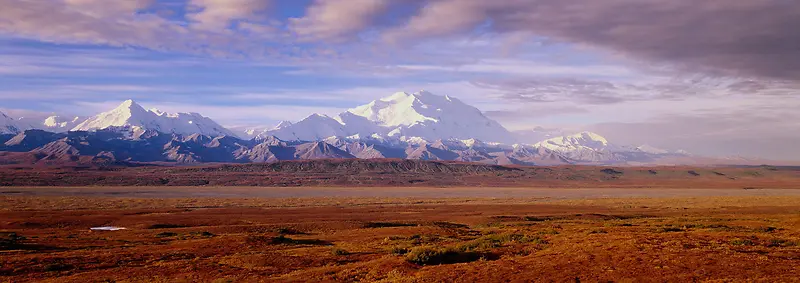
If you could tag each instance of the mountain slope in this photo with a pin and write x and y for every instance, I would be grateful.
(313, 128)
(8, 125)
(151, 146)
(423, 114)
(319, 150)
(584, 146)
(60, 124)
(130, 116)
(402, 115)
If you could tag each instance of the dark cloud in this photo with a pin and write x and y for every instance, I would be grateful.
(764, 88)
(741, 38)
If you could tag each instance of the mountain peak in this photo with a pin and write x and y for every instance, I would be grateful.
(317, 116)
(131, 116)
(577, 142)
(129, 104)
(282, 124)
(129, 107)
(430, 116)
(421, 114)
(396, 96)
(586, 135)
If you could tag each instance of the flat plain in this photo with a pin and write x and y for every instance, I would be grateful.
(398, 221)
(391, 234)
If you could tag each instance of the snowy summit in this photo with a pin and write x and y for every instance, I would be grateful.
(131, 116)
(403, 116)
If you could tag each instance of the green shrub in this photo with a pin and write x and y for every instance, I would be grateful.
(436, 256)
(400, 250)
(497, 240)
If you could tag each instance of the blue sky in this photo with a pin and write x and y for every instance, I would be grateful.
(634, 77)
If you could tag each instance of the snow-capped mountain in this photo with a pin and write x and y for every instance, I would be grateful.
(313, 128)
(60, 124)
(575, 143)
(651, 149)
(593, 148)
(132, 117)
(403, 116)
(423, 114)
(8, 125)
(410, 126)
(53, 123)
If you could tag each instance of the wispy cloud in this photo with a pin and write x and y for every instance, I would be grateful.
(337, 20)
(529, 68)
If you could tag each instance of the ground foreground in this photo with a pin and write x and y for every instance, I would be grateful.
(399, 239)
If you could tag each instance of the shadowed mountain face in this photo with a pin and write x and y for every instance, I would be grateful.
(152, 146)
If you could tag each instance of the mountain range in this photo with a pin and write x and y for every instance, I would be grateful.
(420, 125)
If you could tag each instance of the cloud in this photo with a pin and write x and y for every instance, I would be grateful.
(753, 131)
(527, 68)
(337, 19)
(447, 17)
(108, 8)
(218, 14)
(85, 22)
(534, 112)
(727, 37)
(695, 36)
(598, 92)
(207, 27)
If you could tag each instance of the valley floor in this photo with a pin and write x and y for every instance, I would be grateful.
(398, 235)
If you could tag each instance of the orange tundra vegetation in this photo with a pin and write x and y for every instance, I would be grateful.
(735, 238)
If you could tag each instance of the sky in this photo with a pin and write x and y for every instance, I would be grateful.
(713, 77)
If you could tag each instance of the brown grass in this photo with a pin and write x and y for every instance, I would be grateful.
(401, 240)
